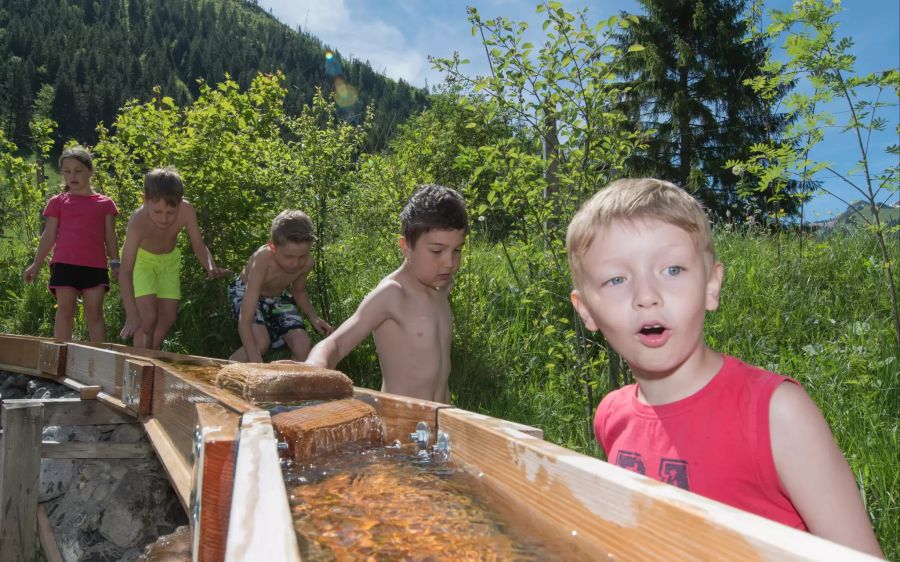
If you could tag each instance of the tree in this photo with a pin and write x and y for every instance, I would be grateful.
(826, 64)
(689, 84)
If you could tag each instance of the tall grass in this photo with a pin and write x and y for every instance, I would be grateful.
(814, 309)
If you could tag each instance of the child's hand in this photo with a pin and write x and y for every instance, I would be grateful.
(217, 272)
(31, 272)
(322, 326)
(131, 326)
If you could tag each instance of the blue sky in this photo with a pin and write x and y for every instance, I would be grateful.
(397, 36)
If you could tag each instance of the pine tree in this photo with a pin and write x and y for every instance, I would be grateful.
(688, 83)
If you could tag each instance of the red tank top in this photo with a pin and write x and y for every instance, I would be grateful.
(715, 442)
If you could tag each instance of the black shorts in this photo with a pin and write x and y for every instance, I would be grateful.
(77, 277)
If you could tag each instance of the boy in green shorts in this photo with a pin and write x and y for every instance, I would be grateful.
(151, 264)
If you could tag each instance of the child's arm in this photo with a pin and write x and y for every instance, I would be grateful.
(48, 239)
(204, 256)
(301, 297)
(255, 272)
(126, 279)
(371, 313)
(112, 245)
(815, 473)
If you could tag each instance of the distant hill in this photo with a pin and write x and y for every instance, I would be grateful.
(98, 54)
(890, 215)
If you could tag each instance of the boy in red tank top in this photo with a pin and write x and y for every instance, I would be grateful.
(645, 273)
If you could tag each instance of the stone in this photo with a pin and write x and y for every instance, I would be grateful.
(56, 475)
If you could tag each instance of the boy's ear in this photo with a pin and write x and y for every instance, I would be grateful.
(404, 245)
(583, 311)
(714, 286)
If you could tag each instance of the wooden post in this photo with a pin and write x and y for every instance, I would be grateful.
(20, 463)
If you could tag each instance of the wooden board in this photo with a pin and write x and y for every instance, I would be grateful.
(598, 511)
(45, 533)
(92, 366)
(176, 465)
(20, 463)
(213, 479)
(19, 354)
(75, 411)
(52, 358)
(95, 450)
(260, 525)
(137, 388)
(400, 413)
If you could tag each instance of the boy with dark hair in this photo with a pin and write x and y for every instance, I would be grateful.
(151, 263)
(266, 315)
(408, 313)
(645, 273)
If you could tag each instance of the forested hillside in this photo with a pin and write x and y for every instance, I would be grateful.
(97, 55)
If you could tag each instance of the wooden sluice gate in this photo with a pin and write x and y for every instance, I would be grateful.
(221, 453)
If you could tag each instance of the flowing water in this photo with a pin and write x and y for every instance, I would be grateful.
(391, 504)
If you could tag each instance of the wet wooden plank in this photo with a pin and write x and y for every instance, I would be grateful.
(401, 414)
(260, 525)
(20, 463)
(593, 510)
(213, 479)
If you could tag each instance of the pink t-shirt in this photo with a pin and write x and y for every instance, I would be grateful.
(715, 442)
(81, 235)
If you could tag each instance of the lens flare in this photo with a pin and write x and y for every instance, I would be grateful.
(345, 95)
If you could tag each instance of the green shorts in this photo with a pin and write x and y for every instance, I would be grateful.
(157, 274)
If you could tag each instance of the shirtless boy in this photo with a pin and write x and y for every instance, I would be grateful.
(266, 315)
(408, 313)
(151, 264)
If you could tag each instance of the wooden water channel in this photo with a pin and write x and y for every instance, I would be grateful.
(220, 453)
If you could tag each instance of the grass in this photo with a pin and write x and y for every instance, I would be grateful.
(814, 309)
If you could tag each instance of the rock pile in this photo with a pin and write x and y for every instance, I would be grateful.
(101, 510)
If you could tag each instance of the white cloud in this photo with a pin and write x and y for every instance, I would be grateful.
(355, 34)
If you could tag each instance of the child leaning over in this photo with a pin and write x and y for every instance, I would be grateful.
(80, 229)
(266, 315)
(408, 313)
(150, 280)
(645, 273)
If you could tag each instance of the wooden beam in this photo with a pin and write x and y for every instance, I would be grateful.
(20, 463)
(92, 367)
(48, 540)
(137, 391)
(74, 411)
(95, 450)
(213, 480)
(260, 525)
(19, 353)
(52, 358)
(177, 466)
(592, 510)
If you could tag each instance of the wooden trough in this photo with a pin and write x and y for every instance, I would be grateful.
(221, 456)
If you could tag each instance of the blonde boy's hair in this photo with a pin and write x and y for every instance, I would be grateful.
(630, 200)
(292, 226)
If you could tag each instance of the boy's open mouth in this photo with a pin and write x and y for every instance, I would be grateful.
(652, 330)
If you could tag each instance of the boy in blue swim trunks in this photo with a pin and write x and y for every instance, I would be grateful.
(267, 316)
(150, 280)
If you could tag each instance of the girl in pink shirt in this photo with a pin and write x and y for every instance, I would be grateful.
(80, 224)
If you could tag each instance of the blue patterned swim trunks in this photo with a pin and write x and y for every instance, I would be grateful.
(278, 314)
